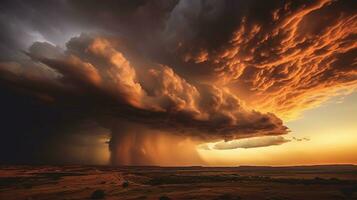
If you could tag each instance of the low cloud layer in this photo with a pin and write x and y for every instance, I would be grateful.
(251, 143)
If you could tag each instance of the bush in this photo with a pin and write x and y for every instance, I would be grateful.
(228, 197)
(164, 198)
(225, 197)
(27, 185)
(125, 184)
(98, 194)
(348, 191)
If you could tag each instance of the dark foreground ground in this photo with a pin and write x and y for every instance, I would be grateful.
(94, 182)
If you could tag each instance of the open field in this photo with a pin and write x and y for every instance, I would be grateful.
(100, 182)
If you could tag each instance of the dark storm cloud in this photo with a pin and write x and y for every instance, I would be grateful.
(101, 75)
(24, 22)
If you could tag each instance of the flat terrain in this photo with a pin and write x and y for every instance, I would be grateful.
(99, 182)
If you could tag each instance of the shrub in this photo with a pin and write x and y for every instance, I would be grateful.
(348, 191)
(125, 184)
(27, 185)
(98, 194)
(228, 197)
(164, 198)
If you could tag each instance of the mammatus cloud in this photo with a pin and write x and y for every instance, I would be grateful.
(300, 56)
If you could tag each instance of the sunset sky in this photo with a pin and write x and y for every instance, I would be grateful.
(330, 132)
(178, 82)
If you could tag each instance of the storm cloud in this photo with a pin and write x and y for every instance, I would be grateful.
(202, 71)
(91, 69)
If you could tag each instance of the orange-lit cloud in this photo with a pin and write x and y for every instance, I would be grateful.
(302, 57)
(93, 71)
